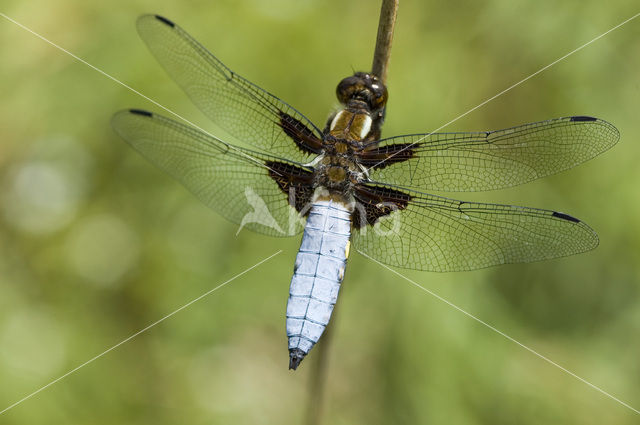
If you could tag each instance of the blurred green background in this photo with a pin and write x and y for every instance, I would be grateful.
(96, 243)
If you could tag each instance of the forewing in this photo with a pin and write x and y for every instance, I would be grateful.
(488, 160)
(243, 109)
(433, 233)
(240, 184)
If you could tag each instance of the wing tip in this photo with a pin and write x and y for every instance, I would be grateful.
(164, 20)
(612, 138)
(594, 239)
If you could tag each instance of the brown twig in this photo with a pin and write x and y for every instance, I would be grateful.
(381, 56)
(318, 375)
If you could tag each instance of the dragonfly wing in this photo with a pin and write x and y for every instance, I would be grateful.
(249, 188)
(488, 160)
(243, 109)
(409, 229)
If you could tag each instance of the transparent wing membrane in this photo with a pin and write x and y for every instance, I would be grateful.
(440, 234)
(234, 182)
(489, 160)
(246, 111)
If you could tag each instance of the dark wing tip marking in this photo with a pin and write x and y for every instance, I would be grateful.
(165, 21)
(141, 112)
(583, 118)
(565, 217)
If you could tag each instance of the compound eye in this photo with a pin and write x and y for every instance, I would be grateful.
(347, 88)
(380, 95)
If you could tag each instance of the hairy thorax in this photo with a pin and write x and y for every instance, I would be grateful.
(337, 169)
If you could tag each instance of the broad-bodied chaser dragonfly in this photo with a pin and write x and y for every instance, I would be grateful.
(344, 184)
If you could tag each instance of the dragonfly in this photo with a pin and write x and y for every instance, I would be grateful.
(345, 185)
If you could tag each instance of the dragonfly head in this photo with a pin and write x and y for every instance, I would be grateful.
(363, 87)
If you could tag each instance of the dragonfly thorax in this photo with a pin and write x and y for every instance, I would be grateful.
(338, 172)
(338, 169)
(347, 126)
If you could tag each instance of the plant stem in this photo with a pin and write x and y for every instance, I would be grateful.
(381, 56)
(318, 375)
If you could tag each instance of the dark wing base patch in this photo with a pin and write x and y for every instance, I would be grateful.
(384, 156)
(296, 182)
(304, 138)
(373, 202)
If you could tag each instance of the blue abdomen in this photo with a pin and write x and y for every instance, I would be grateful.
(318, 272)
